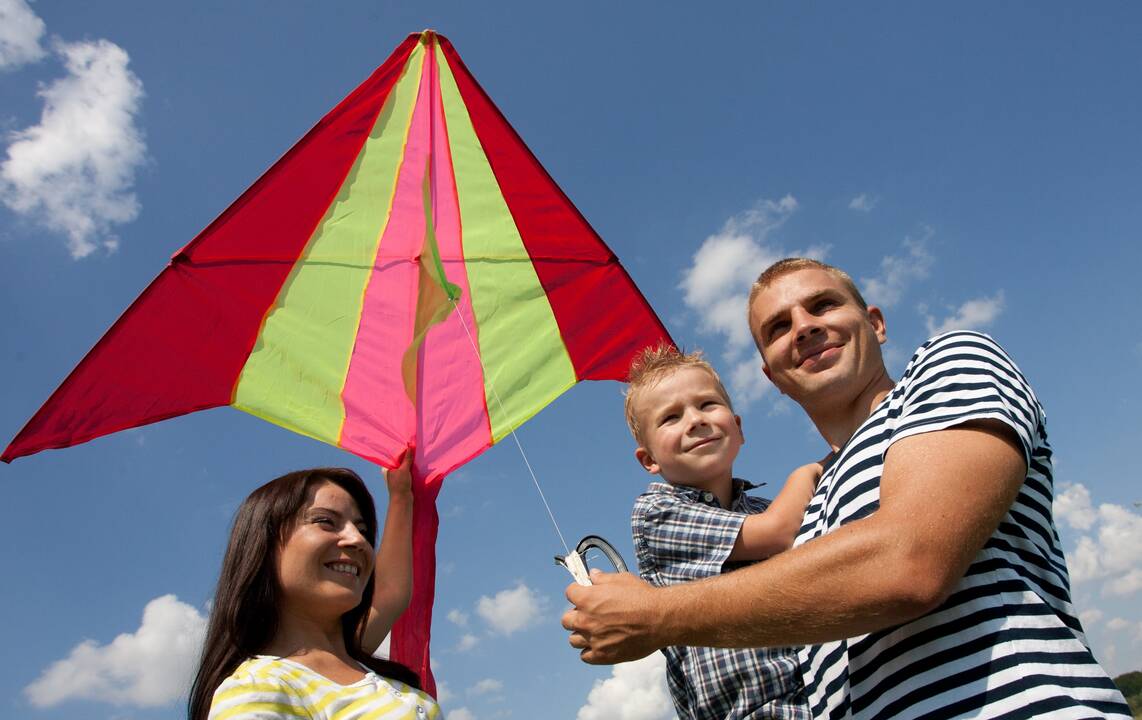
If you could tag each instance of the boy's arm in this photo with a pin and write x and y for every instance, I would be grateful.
(773, 531)
(392, 572)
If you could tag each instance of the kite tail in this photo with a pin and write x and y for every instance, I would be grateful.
(412, 631)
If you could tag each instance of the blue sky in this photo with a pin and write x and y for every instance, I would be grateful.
(971, 165)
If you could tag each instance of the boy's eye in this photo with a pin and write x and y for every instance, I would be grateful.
(667, 419)
(824, 304)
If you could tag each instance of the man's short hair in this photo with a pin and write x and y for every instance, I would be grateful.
(782, 268)
(651, 366)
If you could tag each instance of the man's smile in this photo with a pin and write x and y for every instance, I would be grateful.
(819, 354)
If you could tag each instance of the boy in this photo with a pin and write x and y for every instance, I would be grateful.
(700, 522)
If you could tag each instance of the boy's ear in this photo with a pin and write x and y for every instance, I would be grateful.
(643, 456)
(738, 420)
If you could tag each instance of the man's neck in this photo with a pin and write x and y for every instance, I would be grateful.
(837, 422)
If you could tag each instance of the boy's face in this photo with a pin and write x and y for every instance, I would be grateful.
(690, 436)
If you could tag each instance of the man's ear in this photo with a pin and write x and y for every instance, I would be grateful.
(648, 464)
(876, 317)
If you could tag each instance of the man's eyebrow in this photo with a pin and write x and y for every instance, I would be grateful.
(807, 301)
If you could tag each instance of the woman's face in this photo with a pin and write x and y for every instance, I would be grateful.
(326, 561)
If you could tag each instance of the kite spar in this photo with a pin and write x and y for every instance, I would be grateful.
(407, 274)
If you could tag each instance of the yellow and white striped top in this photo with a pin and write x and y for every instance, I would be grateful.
(268, 687)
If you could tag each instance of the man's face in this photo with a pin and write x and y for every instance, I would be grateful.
(819, 346)
(690, 435)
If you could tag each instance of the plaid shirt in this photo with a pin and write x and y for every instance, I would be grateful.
(682, 534)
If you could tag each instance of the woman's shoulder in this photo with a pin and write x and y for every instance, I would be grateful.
(260, 685)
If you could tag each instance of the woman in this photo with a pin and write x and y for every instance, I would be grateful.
(297, 612)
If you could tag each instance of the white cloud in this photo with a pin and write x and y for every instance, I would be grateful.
(458, 617)
(510, 610)
(461, 713)
(1090, 618)
(152, 666)
(975, 314)
(1111, 552)
(748, 381)
(485, 686)
(635, 691)
(20, 33)
(467, 642)
(863, 203)
(73, 172)
(716, 286)
(1118, 624)
(1120, 646)
(897, 272)
(1073, 507)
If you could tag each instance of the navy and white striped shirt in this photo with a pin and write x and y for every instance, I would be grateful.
(1007, 643)
(682, 534)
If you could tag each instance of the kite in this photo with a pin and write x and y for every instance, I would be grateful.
(407, 275)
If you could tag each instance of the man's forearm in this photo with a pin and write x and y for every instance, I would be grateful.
(854, 581)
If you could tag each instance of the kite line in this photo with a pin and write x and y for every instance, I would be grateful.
(518, 444)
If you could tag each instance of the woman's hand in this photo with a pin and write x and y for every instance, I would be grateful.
(399, 479)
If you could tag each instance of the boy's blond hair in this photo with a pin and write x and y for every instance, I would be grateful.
(650, 367)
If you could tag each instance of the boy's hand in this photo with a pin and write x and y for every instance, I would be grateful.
(809, 473)
(399, 479)
(613, 620)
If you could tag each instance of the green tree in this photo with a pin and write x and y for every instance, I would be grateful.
(1131, 686)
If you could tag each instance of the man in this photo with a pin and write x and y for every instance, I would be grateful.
(927, 579)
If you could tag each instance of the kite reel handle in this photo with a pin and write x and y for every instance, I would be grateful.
(576, 561)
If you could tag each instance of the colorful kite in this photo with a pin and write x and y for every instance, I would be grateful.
(406, 275)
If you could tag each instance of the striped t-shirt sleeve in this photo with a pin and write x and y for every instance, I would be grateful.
(250, 695)
(963, 376)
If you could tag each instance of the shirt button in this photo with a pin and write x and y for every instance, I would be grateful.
(707, 496)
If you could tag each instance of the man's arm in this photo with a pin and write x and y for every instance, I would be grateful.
(942, 495)
(773, 531)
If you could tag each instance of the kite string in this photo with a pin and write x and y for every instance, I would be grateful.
(496, 395)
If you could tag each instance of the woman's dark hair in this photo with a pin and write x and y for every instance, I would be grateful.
(244, 619)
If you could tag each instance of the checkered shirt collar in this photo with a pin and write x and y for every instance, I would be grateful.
(705, 497)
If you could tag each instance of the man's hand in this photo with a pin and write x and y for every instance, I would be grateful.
(615, 620)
